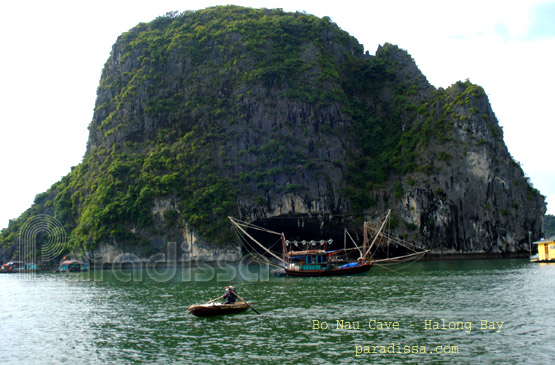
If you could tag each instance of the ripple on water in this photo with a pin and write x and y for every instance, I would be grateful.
(64, 318)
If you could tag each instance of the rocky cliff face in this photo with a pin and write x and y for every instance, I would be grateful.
(282, 119)
(472, 195)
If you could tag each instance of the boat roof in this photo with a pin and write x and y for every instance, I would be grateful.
(545, 240)
(68, 262)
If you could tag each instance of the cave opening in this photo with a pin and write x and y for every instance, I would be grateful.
(316, 228)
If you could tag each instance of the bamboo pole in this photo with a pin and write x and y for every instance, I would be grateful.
(255, 241)
(378, 233)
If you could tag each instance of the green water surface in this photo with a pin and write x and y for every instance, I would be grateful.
(124, 316)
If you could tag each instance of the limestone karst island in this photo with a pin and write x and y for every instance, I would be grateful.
(282, 120)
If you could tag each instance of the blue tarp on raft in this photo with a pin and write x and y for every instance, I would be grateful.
(352, 264)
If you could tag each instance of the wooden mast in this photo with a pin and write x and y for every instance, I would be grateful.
(284, 246)
(364, 238)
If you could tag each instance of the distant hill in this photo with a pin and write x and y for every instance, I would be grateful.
(549, 225)
(283, 119)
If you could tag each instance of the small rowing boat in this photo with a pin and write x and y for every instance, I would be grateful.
(218, 309)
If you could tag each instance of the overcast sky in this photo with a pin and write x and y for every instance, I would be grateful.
(52, 54)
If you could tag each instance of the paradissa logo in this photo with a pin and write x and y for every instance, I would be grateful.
(54, 238)
(44, 236)
(163, 267)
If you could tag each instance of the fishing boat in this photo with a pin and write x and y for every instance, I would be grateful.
(17, 267)
(313, 258)
(73, 266)
(218, 309)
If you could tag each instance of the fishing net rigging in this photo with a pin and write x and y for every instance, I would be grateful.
(240, 227)
(374, 237)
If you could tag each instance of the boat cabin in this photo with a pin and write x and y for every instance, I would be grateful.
(546, 250)
(308, 260)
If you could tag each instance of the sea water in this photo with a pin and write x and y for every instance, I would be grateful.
(462, 312)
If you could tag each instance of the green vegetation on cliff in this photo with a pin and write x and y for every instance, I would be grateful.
(227, 54)
(254, 112)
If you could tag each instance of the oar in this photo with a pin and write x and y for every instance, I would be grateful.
(250, 306)
(213, 300)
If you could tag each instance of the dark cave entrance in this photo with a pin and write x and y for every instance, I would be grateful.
(317, 228)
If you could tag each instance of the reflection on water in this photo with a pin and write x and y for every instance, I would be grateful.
(141, 315)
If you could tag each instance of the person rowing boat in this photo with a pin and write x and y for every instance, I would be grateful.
(231, 306)
(230, 295)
